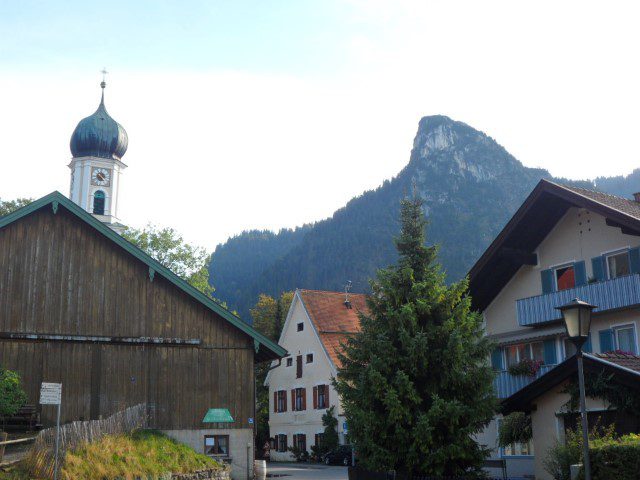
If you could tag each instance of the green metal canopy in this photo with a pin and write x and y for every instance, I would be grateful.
(218, 415)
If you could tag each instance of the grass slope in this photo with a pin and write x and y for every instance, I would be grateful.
(145, 454)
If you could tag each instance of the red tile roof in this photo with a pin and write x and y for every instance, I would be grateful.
(626, 360)
(331, 317)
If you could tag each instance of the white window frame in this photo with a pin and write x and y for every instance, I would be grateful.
(501, 450)
(555, 268)
(313, 358)
(620, 326)
(612, 253)
(505, 355)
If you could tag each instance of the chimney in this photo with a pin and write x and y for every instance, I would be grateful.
(347, 302)
(636, 197)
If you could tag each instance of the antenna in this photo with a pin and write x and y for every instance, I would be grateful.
(347, 289)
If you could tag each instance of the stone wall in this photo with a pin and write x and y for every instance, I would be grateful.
(203, 475)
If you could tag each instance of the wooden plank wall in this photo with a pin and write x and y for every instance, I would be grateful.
(60, 276)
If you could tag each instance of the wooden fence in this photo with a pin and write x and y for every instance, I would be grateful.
(41, 458)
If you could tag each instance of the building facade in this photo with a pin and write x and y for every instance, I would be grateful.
(81, 306)
(300, 387)
(563, 243)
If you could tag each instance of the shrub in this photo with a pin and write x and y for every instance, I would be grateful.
(12, 396)
(526, 367)
(561, 456)
(617, 459)
(299, 454)
(515, 428)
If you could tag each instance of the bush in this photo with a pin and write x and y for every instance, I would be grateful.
(561, 456)
(515, 428)
(299, 454)
(12, 396)
(617, 459)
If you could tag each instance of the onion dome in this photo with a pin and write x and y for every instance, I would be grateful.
(99, 135)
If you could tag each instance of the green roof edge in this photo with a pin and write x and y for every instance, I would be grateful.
(56, 199)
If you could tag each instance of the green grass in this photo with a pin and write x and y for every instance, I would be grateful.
(145, 454)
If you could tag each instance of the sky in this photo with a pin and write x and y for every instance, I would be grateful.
(269, 114)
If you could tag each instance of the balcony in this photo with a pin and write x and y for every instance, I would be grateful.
(506, 384)
(612, 294)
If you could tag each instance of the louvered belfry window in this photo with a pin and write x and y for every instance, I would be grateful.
(98, 202)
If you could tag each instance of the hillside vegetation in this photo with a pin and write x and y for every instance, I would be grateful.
(470, 186)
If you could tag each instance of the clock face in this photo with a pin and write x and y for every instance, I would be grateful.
(101, 177)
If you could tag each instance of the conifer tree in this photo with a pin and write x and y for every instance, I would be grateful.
(416, 383)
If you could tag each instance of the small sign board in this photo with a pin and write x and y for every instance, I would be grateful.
(250, 420)
(345, 429)
(50, 393)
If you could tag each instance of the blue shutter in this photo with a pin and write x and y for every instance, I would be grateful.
(547, 280)
(606, 340)
(580, 272)
(587, 345)
(496, 359)
(597, 263)
(634, 260)
(550, 357)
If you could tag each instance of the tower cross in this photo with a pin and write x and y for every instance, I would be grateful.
(104, 77)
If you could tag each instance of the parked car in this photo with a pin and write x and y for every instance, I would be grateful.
(341, 456)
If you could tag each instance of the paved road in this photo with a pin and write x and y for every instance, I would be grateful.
(303, 471)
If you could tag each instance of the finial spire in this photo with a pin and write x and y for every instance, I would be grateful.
(103, 83)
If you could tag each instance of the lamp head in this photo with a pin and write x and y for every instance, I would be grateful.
(577, 320)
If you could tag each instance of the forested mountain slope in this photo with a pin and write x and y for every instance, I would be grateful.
(470, 185)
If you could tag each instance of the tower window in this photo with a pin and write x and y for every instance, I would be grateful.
(98, 202)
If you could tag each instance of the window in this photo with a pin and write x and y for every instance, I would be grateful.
(280, 401)
(309, 357)
(98, 202)
(516, 448)
(299, 399)
(322, 396)
(300, 326)
(300, 441)
(565, 277)
(318, 439)
(281, 442)
(289, 362)
(618, 264)
(299, 366)
(517, 353)
(217, 445)
(625, 338)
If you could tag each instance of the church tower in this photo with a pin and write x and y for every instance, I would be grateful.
(98, 144)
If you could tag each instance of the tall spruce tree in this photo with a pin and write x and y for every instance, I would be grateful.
(415, 383)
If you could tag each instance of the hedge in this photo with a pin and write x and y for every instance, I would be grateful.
(617, 459)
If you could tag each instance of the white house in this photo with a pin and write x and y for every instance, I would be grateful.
(300, 389)
(563, 243)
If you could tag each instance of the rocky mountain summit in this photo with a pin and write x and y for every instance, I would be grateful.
(470, 185)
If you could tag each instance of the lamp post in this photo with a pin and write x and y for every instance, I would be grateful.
(577, 321)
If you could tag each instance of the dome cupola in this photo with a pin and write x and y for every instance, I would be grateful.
(99, 135)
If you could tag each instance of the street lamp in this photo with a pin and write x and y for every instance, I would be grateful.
(577, 321)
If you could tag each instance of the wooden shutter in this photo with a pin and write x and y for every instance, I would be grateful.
(496, 359)
(299, 366)
(304, 399)
(284, 401)
(580, 272)
(634, 260)
(293, 400)
(587, 345)
(315, 397)
(326, 396)
(547, 280)
(275, 402)
(597, 264)
(606, 340)
(550, 356)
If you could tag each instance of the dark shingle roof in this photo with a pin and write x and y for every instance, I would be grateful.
(624, 205)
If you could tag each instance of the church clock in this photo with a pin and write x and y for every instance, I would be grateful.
(100, 177)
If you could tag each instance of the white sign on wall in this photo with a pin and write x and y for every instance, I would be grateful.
(50, 393)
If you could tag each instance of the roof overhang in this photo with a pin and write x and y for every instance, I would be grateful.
(523, 399)
(515, 245)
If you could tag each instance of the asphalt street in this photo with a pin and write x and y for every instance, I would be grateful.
(305, 471)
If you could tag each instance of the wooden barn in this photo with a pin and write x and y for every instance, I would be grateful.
(82, 306)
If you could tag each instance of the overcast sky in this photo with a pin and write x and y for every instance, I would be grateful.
(269, 114)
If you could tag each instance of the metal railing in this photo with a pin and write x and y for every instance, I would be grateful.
(606, 295)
